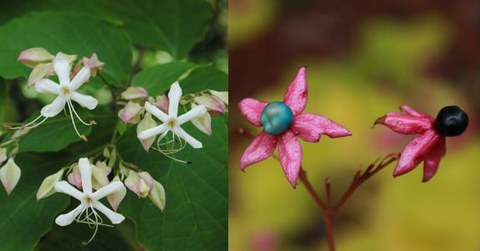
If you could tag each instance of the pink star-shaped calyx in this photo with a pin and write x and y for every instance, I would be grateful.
(282, 123)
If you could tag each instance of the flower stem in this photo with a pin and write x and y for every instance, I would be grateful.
(330, 210)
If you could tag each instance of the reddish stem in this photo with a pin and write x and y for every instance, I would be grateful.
(330, 210)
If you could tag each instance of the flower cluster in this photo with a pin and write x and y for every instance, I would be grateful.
(46, 65)
(89, 183)
(141, 109)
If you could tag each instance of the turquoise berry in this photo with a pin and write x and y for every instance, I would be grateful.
(276, 118)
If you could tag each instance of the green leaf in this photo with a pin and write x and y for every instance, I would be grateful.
(203, 78)
(195, 216)
(174, 26)
(72, 34)
(24, 218)
(157, 79)
(73, 236)
(57, 133)
(3, 99)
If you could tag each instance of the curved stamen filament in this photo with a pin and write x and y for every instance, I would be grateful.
(171, 146)
(30, 124)
(69, 101)
(90, 217)
(70, 108)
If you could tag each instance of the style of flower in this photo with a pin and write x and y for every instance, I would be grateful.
(429, 146)
(171, 123)
(282, 123)
(89, 200)
(66, 91)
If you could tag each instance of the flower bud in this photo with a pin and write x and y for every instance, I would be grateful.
(93, 63)
(130, 114)
(47, 187)
(33, 56)
(100, 172)
(74, 176)
(221, 95)
(116, 198)
(146, 123)
(212, 103)
(3, 155)
(203, 123)
(140, 183)
(160, 101)
(157, 195)
(134, 93)
(68, 57)
(9, 175)
(40, 71)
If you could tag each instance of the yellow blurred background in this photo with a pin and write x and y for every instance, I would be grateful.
(364, 58)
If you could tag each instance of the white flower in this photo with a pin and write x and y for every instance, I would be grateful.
(89, 201)
(66, 92)
(171, 123)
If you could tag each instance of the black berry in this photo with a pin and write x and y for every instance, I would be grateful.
(451, 121)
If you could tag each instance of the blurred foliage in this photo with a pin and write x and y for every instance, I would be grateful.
(385, 69)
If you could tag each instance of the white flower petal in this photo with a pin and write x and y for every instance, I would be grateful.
(174, 96)
(82, 76)
(86, 101)
(196, 112)
(190, 140)
(114, 217)
(66, 188)
(67, 219)
(62, 68)
(152, 132)
(107, 190)
(45, 85)
(54, 108)
(156, 112)
(86, 173)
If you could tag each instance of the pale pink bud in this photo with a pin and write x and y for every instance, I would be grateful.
(63, 56)
(146, 123)
(40, 71)
(74, 176)
(140, 183)
(221, 95)
(134, 93)
(160, 101)
(3, 155)
(157, 195)
(203, 123)
(93, 63)
(212, 103)
(33, 56)
(47, 187)
(100, 172)
(116, 198)
(9, 175)
(130, 114)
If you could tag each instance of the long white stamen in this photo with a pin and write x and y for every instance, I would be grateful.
(76, 114)
(73, 122)
(169, 147)
(30, 124)
(90, 217)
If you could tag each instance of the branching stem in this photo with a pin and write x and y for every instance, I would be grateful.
(329, 210)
